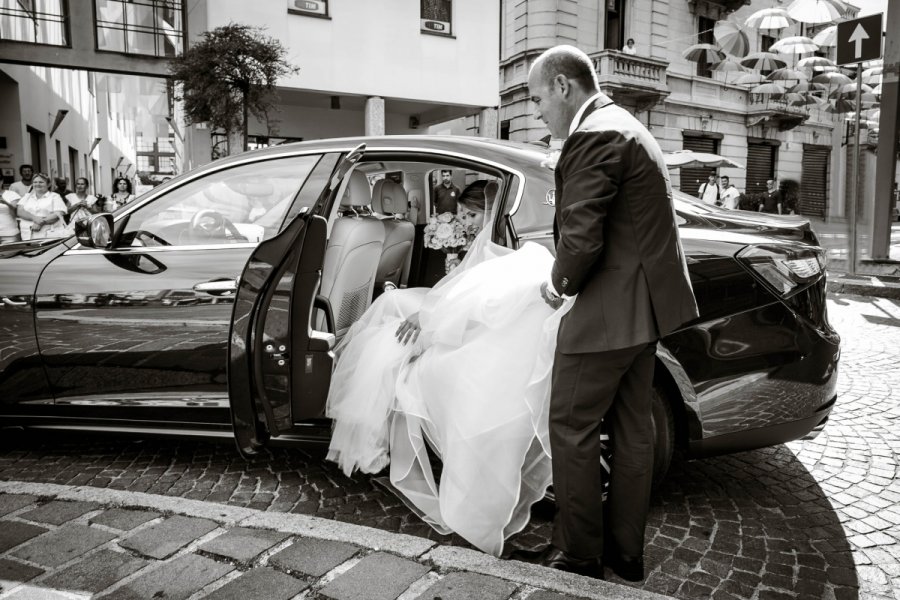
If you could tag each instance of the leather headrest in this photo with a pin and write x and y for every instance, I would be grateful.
(389, 198)
(357, 192)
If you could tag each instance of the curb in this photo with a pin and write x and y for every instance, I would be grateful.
(865, 285)
(425, 551)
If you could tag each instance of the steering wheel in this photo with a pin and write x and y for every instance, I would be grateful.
(211, 224)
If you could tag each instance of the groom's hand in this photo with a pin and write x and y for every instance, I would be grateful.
(550, 296)
(409, 330)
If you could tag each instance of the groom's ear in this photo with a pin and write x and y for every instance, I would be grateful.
(562, 85)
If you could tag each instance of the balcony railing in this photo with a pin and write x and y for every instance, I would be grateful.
(763, 109)
(640, 77)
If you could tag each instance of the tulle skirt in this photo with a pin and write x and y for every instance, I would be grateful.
(474, 387)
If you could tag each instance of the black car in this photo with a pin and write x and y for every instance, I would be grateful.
(210, 306)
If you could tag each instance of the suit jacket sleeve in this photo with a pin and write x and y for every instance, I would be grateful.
(591, 171)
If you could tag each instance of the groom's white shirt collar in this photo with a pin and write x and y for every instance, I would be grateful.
(577, 119)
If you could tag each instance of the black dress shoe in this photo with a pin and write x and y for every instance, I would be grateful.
(627, 567)
(562, 560)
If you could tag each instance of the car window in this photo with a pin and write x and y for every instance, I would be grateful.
(246, 203)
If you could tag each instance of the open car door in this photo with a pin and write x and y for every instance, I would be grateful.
(279, 367)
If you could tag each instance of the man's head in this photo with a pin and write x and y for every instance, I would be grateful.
(27, 172)
(711, 178)
(560, 81)
(725, 181)
(770, 184)
(446, 176)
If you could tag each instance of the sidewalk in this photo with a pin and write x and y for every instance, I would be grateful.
(71, 542)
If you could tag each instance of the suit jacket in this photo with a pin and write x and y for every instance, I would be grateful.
(617, 243)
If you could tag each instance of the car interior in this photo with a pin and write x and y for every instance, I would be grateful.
(375, 235)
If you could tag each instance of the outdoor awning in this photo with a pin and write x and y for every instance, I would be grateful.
(689, 158)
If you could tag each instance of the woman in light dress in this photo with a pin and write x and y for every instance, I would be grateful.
(42, 212)
(81, 204)
(469, 378)
(121, 195)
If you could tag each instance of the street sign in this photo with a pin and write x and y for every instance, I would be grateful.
(859, 40)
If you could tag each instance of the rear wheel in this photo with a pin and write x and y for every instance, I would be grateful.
(663, 434)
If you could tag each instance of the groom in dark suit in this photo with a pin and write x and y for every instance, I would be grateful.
(618, 252)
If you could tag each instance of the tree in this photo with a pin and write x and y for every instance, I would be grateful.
(228, 75)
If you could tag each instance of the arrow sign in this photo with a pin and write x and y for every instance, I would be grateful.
(859, 40)
(859, 34)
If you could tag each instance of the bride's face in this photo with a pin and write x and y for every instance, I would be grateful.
(472, 219)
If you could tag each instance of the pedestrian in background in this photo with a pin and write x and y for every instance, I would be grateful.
(709, 191)
(61, 186)
(629, 48)
(731, 197)
(121, 195)
(81, 204)
(9, 226)
(43, 212)
(772, 201)
(446, 195)
(23, 186)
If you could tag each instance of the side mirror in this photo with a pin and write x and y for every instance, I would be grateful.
(95, 232)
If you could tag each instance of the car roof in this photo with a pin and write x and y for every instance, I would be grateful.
(483, 148)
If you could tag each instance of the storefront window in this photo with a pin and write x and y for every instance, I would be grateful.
(35, 21)
(146, 27)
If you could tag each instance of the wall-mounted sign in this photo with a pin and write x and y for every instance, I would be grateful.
(317, 8)
(436, 16)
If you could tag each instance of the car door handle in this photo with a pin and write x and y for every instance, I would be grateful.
(9, 302)
(219, 286)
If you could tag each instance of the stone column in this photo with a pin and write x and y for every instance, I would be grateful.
(374, 116)
(489, 123)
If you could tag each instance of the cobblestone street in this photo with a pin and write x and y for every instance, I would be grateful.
(810, 519)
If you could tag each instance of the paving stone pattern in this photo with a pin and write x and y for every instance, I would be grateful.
(810, 519)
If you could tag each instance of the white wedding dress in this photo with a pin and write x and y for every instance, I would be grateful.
(475, 387)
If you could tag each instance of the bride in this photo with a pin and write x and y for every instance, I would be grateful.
(463, 369)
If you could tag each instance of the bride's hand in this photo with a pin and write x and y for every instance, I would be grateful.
(409, 329)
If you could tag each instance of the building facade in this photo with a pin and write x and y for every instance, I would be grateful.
(686, 105)
(393, 67)
(368, 68)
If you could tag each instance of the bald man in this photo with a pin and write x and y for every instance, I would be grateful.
(618, 253)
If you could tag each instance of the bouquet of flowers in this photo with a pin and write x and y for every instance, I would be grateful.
(445, 232)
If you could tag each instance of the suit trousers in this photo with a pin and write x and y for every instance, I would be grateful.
(614, 386)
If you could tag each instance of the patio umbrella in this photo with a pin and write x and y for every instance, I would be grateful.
(826, 37)
(796, 44)
(831, 78)
(872, 76)
(788, 74)
(769, 18)
(849, 89)
(731, 39)
(703, 53)
(763, 61)
(877, 90)
(814, 11)
(808, 86)
(768, 89)
(839, 106)
(801, 99)
(814, 63)
(729, 65)
(689, 158)
(751, 79)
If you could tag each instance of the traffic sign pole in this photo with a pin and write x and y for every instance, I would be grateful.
(854, 206)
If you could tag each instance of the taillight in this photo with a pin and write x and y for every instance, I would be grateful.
(787, 269)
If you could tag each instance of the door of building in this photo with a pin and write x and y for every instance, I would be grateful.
(691, 178)
(761, 157)
(814, 180)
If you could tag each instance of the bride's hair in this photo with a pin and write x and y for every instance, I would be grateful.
(479, 195)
